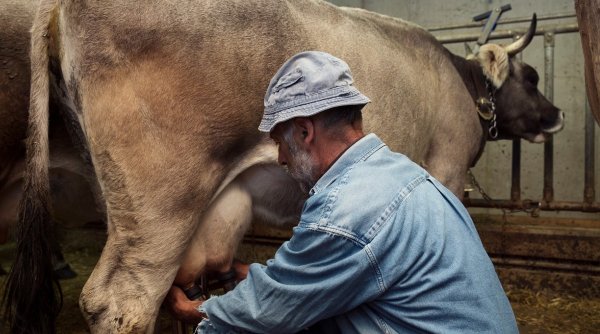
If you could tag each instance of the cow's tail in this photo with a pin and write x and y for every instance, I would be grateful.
(32, 297)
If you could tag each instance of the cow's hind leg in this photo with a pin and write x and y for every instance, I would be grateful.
(157, 179)
(148, 231)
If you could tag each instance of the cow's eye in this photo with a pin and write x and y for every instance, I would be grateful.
(531, 76)
(534, 78)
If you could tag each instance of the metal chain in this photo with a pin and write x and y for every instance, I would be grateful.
(485, 195)
(532, 212)
(478, 187)
(492, 129)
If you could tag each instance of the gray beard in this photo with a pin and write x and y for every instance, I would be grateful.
(302, 168)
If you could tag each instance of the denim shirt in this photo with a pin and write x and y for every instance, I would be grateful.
(381, 247)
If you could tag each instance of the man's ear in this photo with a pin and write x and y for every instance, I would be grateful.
(305, 129)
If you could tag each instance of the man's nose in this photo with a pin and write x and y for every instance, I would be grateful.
(280, 156)
(281, 160)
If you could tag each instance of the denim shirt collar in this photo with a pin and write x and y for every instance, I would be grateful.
(360, 150)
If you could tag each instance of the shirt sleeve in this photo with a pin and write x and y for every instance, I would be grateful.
(314, 276)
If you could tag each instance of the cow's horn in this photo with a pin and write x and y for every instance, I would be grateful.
(520, 44)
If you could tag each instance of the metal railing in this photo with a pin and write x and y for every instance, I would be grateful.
(504, 21)
(547, 203)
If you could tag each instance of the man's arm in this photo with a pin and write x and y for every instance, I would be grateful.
(314, 276)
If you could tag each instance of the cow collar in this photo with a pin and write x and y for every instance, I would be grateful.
(485, 100)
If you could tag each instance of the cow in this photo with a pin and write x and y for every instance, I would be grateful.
(15, 21)
(72, 197)
(169, 95)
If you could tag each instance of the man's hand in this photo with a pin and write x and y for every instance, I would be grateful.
(185, 309)
(182, 308)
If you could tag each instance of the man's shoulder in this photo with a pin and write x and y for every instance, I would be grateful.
(388, 167)
(364, 193)
(379, 175)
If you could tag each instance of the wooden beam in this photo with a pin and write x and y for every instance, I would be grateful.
(588, 14)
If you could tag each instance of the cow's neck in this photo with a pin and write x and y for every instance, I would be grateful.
(472, 75)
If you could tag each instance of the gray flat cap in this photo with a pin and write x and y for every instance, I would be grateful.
(308, 83)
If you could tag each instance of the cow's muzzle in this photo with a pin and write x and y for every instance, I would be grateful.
(557, 126)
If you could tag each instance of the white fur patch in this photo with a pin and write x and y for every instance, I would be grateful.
(538, 139)
(494, 61)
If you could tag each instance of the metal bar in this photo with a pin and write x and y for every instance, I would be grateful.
(532, 205)
(515, 187)
(179, 327)
(489, 25)
(549, 93)
(588, 191)
(505, 21)
(501, 204)
(488, 15)
(588, 267)
(500, 34)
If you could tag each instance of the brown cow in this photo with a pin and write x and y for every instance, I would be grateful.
(73, 200)
(169, 97)
(15, 21)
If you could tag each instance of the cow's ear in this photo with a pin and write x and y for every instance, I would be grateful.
(494, 61)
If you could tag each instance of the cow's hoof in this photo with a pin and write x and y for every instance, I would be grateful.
(65, 272)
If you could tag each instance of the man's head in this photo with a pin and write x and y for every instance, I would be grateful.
(313, 112)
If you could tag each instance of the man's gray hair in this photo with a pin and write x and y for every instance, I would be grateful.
(344, 115)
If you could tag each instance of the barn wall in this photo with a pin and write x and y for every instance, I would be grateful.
(493, 171)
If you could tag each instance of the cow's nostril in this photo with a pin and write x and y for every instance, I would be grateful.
(553, 124)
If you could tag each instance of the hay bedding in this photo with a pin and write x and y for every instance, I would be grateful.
(553, 312)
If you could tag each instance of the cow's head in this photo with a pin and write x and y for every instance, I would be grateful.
(521, 110)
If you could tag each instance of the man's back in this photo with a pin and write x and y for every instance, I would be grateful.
(424, 267)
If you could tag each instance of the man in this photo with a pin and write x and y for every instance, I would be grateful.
(381, 246)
